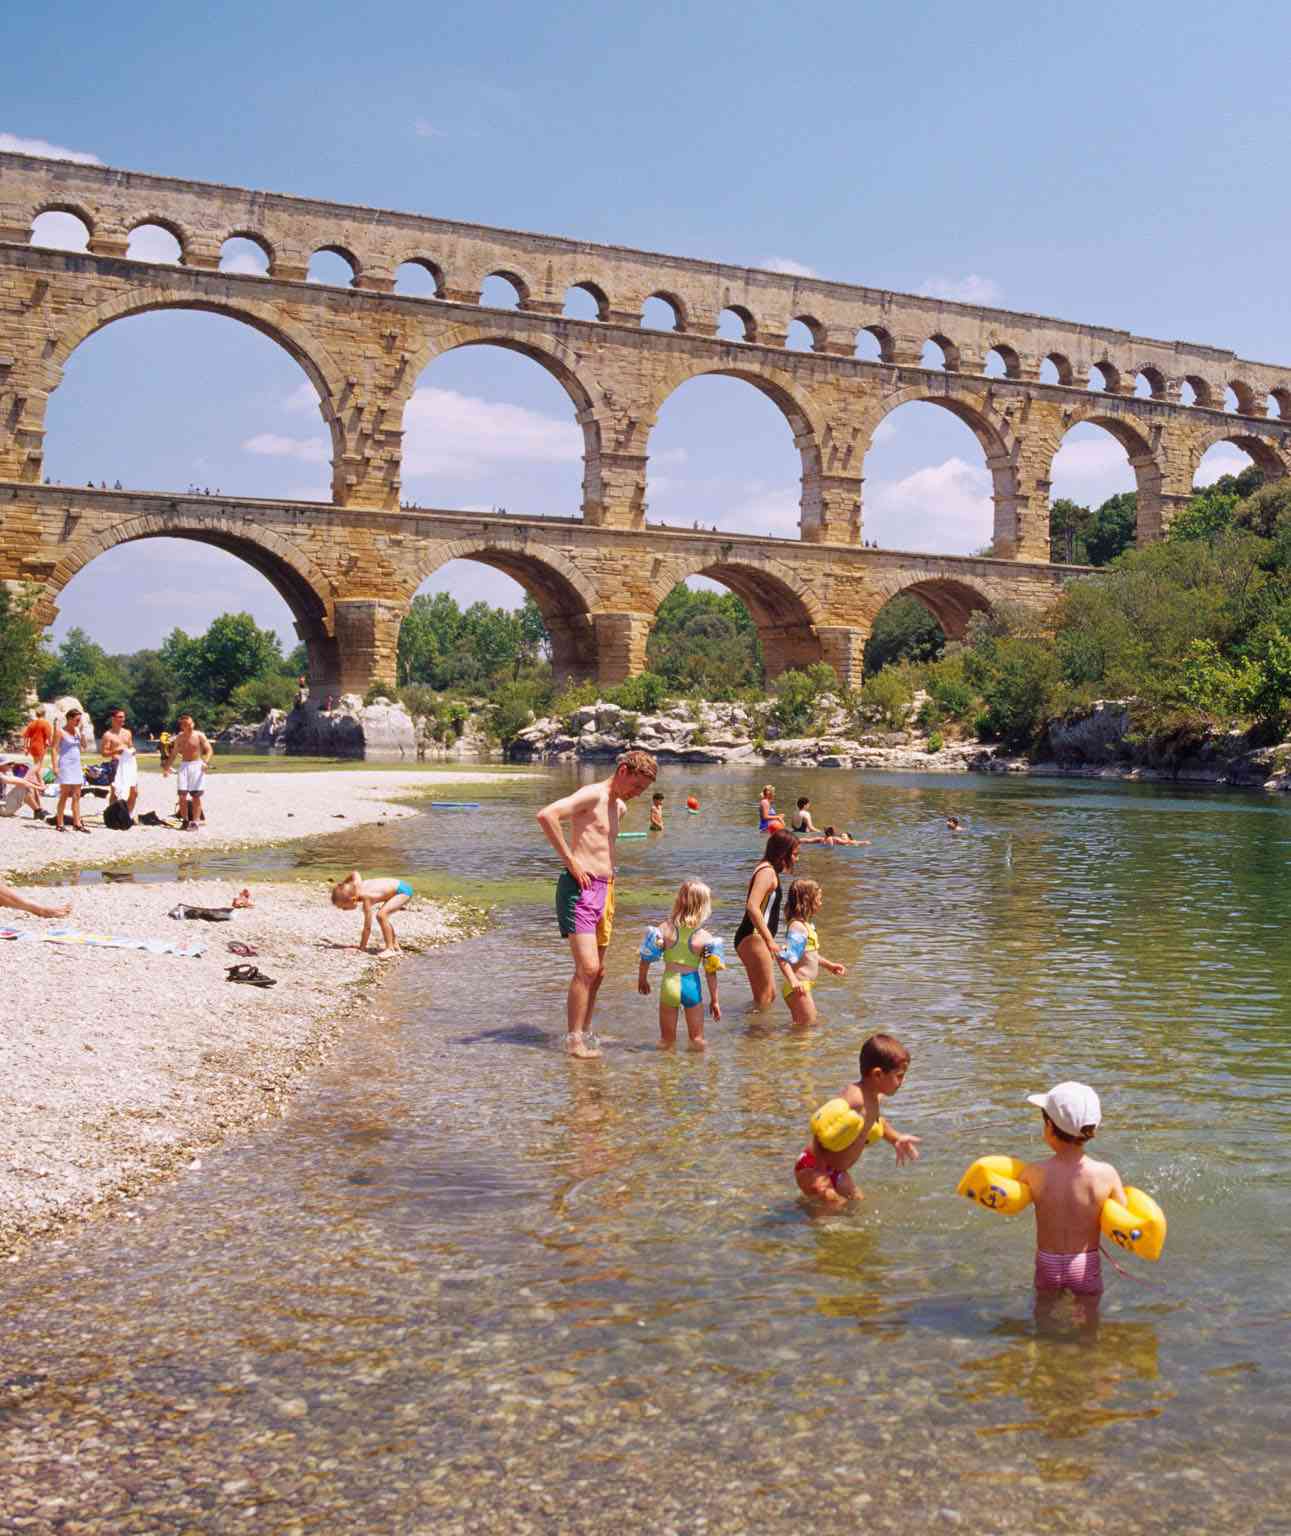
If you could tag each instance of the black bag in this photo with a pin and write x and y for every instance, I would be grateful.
(117, 817)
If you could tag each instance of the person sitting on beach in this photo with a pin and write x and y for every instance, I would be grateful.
(385, 896)
(10, 898)
(801, 950)
(656, 811)
(19, 786)
(1069, 1190)
(836, 1144)
(195, 752)
(802, 821)
(884, 1063)
(683, 944)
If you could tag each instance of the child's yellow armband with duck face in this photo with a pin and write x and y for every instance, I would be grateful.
(996, 1183)
(1138, 1226)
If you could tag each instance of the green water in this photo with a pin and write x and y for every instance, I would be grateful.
(468, 1283)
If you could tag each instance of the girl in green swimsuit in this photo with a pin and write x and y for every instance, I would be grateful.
(684, 945)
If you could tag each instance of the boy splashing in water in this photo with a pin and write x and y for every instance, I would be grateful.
(585, 889)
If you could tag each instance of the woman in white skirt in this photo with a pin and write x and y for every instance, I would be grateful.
(71, 776)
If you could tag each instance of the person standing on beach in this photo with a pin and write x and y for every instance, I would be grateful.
(585, 889)
(71, 775)
(195, 752)
(118, 746)
(37, 736)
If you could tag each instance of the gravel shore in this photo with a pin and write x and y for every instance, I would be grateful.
(117, 1065)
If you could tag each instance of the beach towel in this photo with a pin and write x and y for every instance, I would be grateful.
(76, 937)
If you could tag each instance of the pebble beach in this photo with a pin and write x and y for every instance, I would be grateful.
(117, 1065)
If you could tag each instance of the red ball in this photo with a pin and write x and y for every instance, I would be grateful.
(691, 803)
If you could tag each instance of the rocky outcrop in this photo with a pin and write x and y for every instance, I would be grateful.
(350, 729)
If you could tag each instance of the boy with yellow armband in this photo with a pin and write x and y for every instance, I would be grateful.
(884, 1064)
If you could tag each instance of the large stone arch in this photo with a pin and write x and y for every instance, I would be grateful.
(784, 607)
(999, 443)
(1149, 474)
(806, 421)
(562, 362)
(565, 597)
(305, 589)
(327, 377)
(952, 600)
(1264, 452)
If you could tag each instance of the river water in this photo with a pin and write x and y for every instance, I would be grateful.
(469, 1283)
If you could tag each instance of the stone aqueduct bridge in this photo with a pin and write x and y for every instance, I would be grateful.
(349, 568)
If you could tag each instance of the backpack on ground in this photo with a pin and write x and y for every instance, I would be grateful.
(117, 817)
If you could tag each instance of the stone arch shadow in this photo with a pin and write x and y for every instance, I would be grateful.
(951, 601)
(786, 613)
(565, 598)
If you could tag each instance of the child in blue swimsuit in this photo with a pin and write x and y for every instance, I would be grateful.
(384, 896)
(684, 945)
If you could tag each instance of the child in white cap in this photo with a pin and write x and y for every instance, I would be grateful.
(1069, 1190)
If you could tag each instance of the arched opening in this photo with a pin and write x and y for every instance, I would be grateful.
(332, 266)
(1197, 391)
(1105, 378)
(1002, 362)
(1056, 369)
(246, 256)
(491, 616)
(804, 335)
(735, 323)
(1239, 399)
(874, 344)
(937, 353)
(1094, 492)
(951, 603)
(156, 243)
(60, 229)
(490, 428)
(1279, 403)
(145, 601)
(904, 629)
(722, 456)
(927, 484)
(1187, 393)
(704, 640)
(586, 301)
(187, 401)
(662, 313)
(786, 631)
(502, 290)
(1220, 459)
(1149, 384)
(419, 278)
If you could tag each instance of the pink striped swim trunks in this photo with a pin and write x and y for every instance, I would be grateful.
(1079, 1273)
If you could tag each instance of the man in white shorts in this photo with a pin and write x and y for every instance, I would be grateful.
(118, 746)
(194, 752)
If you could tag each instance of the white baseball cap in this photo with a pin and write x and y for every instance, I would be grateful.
(1071, 1106)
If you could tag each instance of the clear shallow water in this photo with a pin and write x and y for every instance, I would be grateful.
(468, 1280)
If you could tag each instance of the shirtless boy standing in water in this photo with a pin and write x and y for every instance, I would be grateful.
(585, 890)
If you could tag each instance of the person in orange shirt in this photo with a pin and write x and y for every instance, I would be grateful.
(37, 737)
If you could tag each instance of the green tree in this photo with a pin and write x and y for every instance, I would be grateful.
(151, 700)
(1079, 536)
(83, 669)
(904, 630)
(705, 643)
(21, 656)
(232, 652)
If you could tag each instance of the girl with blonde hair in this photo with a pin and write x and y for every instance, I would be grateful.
(685, 946)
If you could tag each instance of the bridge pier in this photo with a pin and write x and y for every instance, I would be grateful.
(620, 645)
(843, 648)
(366, 644)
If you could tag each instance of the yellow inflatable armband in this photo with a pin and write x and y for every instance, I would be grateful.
(1138, 1226)
(876, 1132)
(994, 1183)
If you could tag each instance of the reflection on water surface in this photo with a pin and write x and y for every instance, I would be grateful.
(467, 1276)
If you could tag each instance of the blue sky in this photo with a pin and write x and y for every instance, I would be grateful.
(1110, 164)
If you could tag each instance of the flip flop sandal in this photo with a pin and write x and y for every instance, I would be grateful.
(249, 974)
(239, 948)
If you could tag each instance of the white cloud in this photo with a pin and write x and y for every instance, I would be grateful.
(972, 288)
(1222, 459)
(59, 231)
(12, 144)
(788, 266)
(945, 508)
(245, 263)
(274, 445)
(302, 399)
(884, 432)
(446, 433)
(765, 509)
(1090, 468)
(425, 129)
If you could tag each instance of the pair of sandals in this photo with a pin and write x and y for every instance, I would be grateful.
(249, 975)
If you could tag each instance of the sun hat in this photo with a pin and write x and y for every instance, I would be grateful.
(836, 1125)
(1071, 1106)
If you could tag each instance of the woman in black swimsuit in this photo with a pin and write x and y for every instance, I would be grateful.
(755, 937)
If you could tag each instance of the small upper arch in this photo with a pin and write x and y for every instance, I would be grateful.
(949, 352)
(874, 343)
(72, 211)
(577, 295)
(1105, 376)
(251, 237)
(517, 280)
(1150, 382)
(1243, 398)
(1202, 393)
(743, 318)
(815, 333)
(1057, 368)
(157, 221)
(657, 308)
(1279, 402)
(1009, 365)
(319, 270)
(421, 271)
